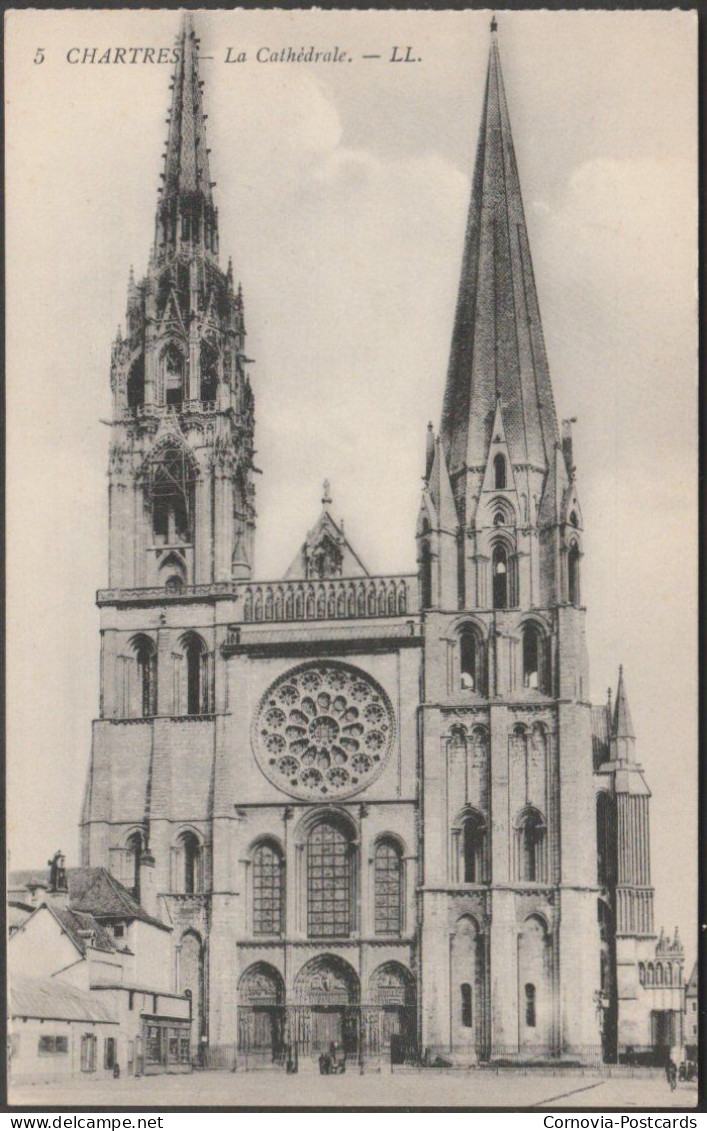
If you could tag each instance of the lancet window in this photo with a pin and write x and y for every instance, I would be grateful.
(268, 889)
(329, 882)
(388, 888)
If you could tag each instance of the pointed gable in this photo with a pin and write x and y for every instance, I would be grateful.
(498, 475)
(326, 551)
(172, 316)
(498, 351)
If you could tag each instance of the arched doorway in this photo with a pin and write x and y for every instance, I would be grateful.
(392, 991)
(191, 979)
(261, 1001)
(326, 993)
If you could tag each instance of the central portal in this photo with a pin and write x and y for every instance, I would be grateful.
(327, 1013)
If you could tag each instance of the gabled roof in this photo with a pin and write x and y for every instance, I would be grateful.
(83, 929)
(326, 530)
(691, 987)
(91, 890)
(51, 999)
(96, 891)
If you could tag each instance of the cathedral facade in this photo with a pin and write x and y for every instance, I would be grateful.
(376, 810)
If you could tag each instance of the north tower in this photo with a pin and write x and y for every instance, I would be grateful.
(181, 524)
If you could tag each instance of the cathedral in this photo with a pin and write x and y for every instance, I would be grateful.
(374, 810)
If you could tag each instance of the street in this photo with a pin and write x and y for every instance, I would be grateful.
(423, 1088)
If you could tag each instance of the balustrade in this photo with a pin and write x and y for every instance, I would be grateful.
(336, 599)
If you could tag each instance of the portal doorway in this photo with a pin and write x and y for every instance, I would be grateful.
(326, 994)
(392, 991)
(261, 998)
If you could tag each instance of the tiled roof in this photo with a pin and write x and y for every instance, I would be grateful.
(49, 998)
(83, 929)
(92, 890)
(96, 891)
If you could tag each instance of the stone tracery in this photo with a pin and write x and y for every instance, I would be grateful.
(323, 730)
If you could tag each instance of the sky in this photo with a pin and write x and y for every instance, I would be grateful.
(342, 190)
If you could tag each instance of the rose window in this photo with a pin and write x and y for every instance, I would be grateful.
(323, 730)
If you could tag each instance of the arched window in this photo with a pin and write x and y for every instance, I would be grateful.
(530, 1016)
(133, 847)
(191, 861)
(471, 661)
(329, 882)
(426, 577)
(532, 657)
(173, 368)
(659, 974)
(146, 660)
(388, 875)
(474, 849)
(174, 583)
(198, 689)
(467, 657)
(501, 588)
(268, 890)
(499, 472)
(530, 834)
(668, 974)
(650, 974)
(466, 1001)
(170, 489)
(573, 574)
(642, 973)
(136, 383)
(209, 373)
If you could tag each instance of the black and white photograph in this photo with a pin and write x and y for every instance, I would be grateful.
(352, 532)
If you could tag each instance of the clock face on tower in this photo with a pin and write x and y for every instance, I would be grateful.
(323, 730)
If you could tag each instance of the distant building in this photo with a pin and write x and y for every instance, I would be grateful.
(92, 933)
(692, 1015)
(57, 1030)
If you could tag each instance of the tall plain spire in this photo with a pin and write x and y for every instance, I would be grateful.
(498, 351)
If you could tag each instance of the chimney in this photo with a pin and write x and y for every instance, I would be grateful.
(148, 893)
(57, 894)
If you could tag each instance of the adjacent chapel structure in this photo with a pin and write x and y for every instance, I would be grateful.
(376, 810)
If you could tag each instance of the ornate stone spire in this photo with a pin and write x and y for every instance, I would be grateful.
(498, 351)
(185, 212)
